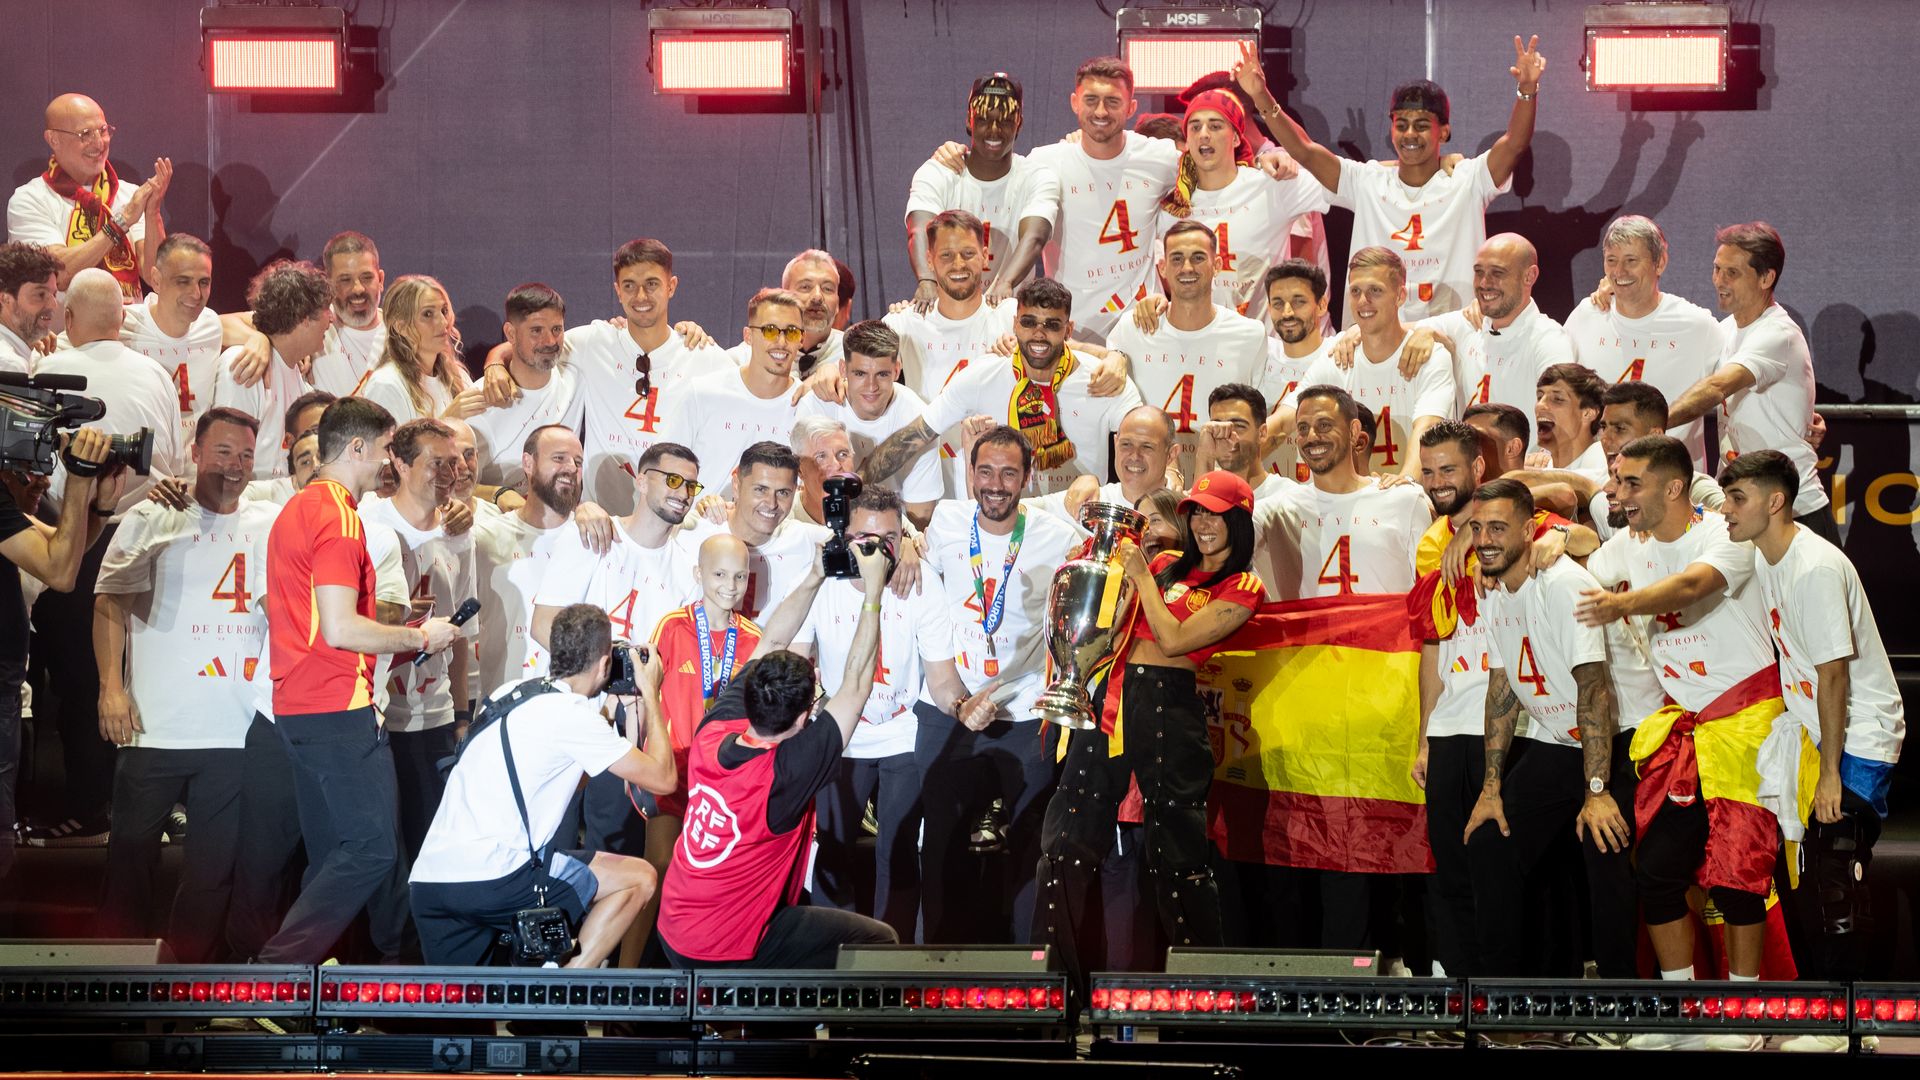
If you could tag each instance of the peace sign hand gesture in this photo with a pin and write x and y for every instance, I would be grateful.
(1528, 65)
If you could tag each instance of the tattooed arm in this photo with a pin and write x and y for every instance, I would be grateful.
(1503, 716)
(1595, 711)
(897, 451)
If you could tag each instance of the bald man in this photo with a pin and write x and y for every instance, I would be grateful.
(82, 209)
(1501, 358)
(1143, 447)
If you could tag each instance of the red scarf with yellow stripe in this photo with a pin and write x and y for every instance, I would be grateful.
(1033, 409)
(92, 215)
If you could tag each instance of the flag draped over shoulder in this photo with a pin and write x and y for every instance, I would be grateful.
(1316, 722)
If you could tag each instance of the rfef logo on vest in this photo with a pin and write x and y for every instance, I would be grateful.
(711, 830)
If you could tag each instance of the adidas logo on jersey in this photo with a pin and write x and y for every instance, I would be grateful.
(686, 668)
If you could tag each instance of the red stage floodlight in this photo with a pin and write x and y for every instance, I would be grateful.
(1169, 48)
(722, 51)
(274, 50)
(1653, 47)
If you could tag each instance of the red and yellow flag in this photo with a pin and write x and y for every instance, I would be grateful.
(1316, 724)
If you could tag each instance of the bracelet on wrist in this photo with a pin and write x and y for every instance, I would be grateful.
(1524, 96)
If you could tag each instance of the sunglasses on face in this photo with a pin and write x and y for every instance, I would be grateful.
(675, 482)
(773, 334)
(643, 375)
(1051, 326)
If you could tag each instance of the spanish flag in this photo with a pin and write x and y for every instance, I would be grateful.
(1316, 727)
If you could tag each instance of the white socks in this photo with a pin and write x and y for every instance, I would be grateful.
(1684, 974)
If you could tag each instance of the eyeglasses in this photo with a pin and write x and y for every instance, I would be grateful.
(101, 132)
(643, 380)
(773, 333)
(675, 482)
(1051, 326)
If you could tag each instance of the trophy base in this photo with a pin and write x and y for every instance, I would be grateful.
(1068, 707)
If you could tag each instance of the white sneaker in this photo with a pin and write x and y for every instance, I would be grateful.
(1397, 969)
(1666, 1040)
(1439, 972)
(1815, 1044)
(1733, 1042)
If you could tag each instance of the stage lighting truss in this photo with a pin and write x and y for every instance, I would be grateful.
(863, 998)
(156, 992)
(502, 993)
(1599, 1006)
(1230, 1001)
(259, 49)
(1170, 47)
(1657, 47)
(724, 51)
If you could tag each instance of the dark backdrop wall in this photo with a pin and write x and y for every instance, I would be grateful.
(509, 140)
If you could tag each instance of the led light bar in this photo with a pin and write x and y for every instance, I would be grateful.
(725, 51)
(1222, 1000)
(274, 50)
(1744, 1008)
(1657, 47)
(1169, 48)
(503, 993)
(848, 997)
(161, 991)
(1886, 1008)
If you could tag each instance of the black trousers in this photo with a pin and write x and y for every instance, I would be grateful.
(63, 648)
(1131, 934)
(1670, 851)
(801, 936)
(12, 675)
(1543, 791)
(263, 885)
(147, 783)
(1829, 918)
(841, 805)
(1456, 768)
(416, 767)
(1167, 752)
(966, 899)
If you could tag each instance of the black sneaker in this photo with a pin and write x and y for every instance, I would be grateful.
(71, 833)
(989, 833)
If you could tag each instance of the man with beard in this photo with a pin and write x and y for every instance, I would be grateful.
(813, 277)
(428, 693)
(644, 575)
(79, 207)
(550, 390)
(877, 405)
(1043, 391)
(1583, 689)
(29, 297)
(996, 561)
(513, 551)
(996, 185)
(175, 328)
(1296, 292)
(761, 517)
(1197, 344)
(1566, 418)
(289, 301)
(357, 336)
(1230, 439)
(722, 413)
(1499, 356)
(177, 640)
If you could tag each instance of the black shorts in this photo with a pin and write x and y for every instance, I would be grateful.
(459, 920)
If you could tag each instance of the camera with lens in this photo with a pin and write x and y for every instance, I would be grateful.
(836, 506)
(33, 411)
(541, 936)
(623, 674)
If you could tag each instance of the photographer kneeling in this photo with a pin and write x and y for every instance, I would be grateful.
(478, 870)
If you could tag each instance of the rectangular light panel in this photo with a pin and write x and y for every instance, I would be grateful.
(1169, 63)
(722, 63)
(266, 65)
(1652, 60)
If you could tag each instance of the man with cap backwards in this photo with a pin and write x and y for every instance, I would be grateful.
(1015, 198)
(1153, 729)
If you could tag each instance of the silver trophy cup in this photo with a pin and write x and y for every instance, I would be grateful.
(1088, 607)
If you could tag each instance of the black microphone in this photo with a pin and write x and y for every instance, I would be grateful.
(43, 382)
(467, 611)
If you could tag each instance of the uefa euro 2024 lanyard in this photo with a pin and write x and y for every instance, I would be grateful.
(991, 614)
(710, 687)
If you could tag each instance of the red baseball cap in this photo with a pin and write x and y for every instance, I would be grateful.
(1219, 491)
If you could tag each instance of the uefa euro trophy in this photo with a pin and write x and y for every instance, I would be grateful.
(1088, 607)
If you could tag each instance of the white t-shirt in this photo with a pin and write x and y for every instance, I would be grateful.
(1396, 401)
(1089, 422)
(441, 568)
(913, 632)
(620, 424)
(1056, 503)
(386, 385)
(511, 558)
(1502, 366)
(1435, 228)
(15, 355)
(1315, 543)
(1705, 491)
(1177, 369)
(266, 401)
(1674, 346)
(190, 359)
(934, 347)
(346, 355)
(1776, 411)
(1805, 594)
(1705, 649)
(138, 393)
(1536, 640)
(1252, 220)
(717, 417)
(477, 834)
(632, 584)
(36, 214)
(276, 491)
(918, 482)
(774, 568)
(1281, 383)
(194, 642)
(1029, 190)
(1103, 240)
(1463, 660)
(1047, 544)
(1592, 464)
(500, 434)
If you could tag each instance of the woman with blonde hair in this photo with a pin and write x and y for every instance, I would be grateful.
(420, 373)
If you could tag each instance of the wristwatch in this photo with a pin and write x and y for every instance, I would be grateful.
(1597, 785)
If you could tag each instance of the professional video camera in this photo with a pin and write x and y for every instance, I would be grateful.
(33, 409)
(836, 505)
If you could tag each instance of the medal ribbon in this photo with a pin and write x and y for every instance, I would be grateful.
(709, 686)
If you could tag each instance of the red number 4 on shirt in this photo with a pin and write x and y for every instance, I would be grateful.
(1118, 228)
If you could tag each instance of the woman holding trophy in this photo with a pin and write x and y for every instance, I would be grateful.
(1151, 730)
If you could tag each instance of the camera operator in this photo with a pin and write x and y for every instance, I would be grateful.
(51, 555)
(732, 897)
(477, 869)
